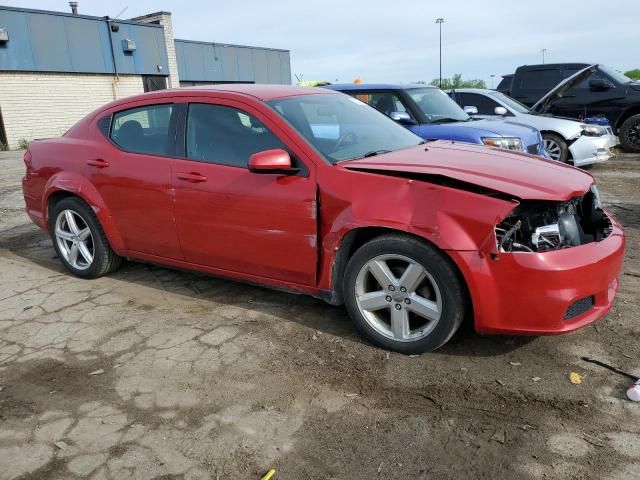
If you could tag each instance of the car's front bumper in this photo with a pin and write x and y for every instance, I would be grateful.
(530, 293)
(589, 150)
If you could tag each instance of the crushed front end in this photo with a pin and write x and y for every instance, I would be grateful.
(554, 269)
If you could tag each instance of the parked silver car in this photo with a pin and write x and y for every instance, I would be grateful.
(565, 140)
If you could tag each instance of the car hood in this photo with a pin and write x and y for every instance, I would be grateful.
(518, 175)
(567, 127)
(559, 90)
(473, 131)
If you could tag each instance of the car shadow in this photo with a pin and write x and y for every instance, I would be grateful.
(30, 243)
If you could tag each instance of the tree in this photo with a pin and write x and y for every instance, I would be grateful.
(633, 74)
(457, 82)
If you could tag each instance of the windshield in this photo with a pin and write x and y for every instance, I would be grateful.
(614, 74)
(437, 106)
(343, 128)
(510, 102)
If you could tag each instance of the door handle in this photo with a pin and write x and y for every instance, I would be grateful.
(191, 177)
(98, 162)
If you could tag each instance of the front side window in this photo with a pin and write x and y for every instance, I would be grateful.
(510, 102)
(385, 102)
(226, 135)
(485, 105)
(144, 130)
(341, 127)
(436, 105)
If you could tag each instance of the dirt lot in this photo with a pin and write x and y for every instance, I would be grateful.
(153, 373)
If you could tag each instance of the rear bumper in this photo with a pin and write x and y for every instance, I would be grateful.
(33, 205)
(590, 150)
(530, 293)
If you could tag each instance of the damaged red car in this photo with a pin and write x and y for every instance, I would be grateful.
(312, 191)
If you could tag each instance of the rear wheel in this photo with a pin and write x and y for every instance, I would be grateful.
(630, 134)
(403, 294)
(79, 239)
(556, 147)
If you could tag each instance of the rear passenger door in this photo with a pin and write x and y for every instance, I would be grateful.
(233, 220)
(132, 173)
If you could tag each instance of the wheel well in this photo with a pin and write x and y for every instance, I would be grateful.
(623, 118)
(56, 197)
(356, 238)
(551, 132)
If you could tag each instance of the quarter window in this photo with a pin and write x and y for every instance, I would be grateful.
(225, 135)
(144, 130)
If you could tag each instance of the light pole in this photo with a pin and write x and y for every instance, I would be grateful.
(544, 50)
(492, 77)
(440, 21)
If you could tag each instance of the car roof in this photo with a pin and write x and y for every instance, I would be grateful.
(556, 65)
(473, 90)
(376, 86)
(257, 91)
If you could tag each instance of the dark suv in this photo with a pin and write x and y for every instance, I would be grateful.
(579, 90)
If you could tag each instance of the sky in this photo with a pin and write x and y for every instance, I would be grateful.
(385, 41)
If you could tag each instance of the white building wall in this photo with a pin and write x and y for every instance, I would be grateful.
(40, 105)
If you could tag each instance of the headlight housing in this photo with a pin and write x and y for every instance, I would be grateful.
(593, 130)
(510, 143)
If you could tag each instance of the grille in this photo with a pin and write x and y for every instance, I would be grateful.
(533, 149)
(579, 307)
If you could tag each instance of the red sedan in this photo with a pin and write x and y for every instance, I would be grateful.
(313, 191)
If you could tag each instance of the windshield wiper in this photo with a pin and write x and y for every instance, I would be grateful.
(447, 120)
(373, 153)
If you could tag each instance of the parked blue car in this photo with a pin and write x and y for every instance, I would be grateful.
(430, 113)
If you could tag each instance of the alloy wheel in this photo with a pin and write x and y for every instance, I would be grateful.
(634, 134)
(74, 239)
(398, 297)
(552, 148)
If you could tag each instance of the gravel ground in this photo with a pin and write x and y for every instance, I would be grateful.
(155, 373)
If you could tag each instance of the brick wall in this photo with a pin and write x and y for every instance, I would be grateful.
(40, 105)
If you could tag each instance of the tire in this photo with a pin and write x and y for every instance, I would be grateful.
(373, 306)
(629, 134)
(557, 144)
(88, 232)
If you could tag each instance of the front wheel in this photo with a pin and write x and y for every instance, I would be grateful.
(403, 294)
(630, 134)
(556, 147)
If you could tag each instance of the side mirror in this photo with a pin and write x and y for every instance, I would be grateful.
(470, 110)
(401, 117)
(271, 161)
(600, 85)
(500, 111)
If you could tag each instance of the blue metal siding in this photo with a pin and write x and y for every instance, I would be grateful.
(209, 62)
(56, 42)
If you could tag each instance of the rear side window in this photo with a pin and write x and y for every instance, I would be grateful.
(144, 130)
(225, 135)
(540, 79)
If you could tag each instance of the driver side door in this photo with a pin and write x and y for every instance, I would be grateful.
(263, 226)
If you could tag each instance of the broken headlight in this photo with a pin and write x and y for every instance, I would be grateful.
(539, 226)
